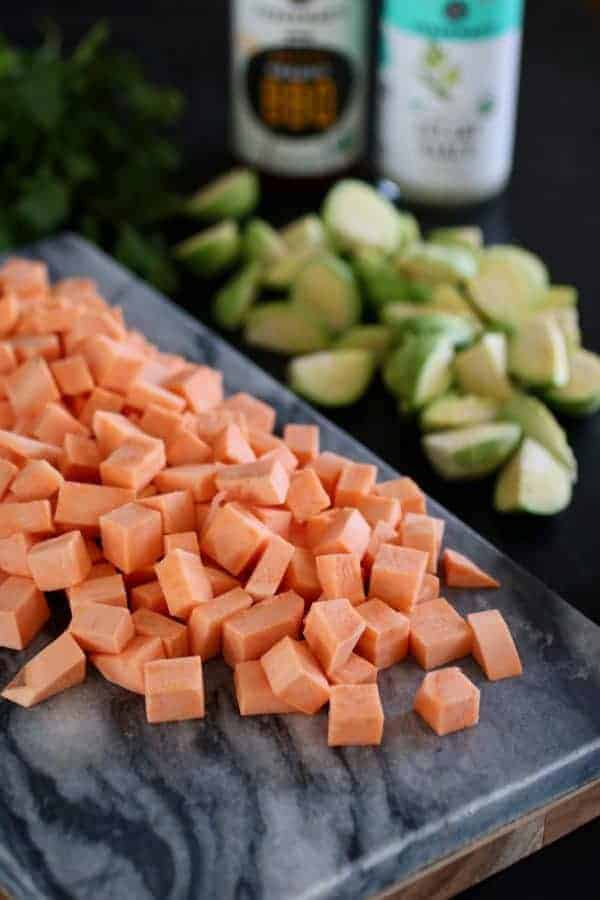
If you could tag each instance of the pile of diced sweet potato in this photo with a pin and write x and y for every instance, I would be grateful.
(182, 528)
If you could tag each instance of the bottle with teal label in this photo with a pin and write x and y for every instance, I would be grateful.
(449, 75)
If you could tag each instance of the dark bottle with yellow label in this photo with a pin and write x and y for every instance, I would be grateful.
(299, 85)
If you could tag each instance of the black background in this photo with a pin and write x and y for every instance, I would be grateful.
(552, 207)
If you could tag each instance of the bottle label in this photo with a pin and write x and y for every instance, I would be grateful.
(449, 79)
(298, 84)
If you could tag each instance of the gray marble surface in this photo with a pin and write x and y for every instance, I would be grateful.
(95, 803)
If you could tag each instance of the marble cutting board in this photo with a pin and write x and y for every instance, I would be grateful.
(95, 803)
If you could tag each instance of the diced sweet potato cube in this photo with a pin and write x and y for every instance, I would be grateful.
(438, 634)
(182, 540)
(7, 417)
(99, 628)
(306, 496)
(58, 666)
(493, 645)
(328, 467)
(332, 630)
(30, 387)
(174, 689)
(382, 534)
(270, 568)
(43, 346)
(378, 509)
(347, 532)
(132, 536)
(206, 621)
(81, 461)
(184, 582)
(27, 448)
(397, 576)
(81, 505)
(59, 562)
(14, 550)
(355, 670)
(316, 526)
(100, 399)
(148, 596)
(174, 635)
(73, 376)
(448, 701)
(268, 446)
(113, 429)
(277, 520)
(430, 588)
(423, 533)
(233, 538)
(37, 480)
(340, 575)
(54, 423)
(201, 386)
(264, 482)
(23, 612)
(355, 715)
(127, 668)
(26, 278)
(90, 325)
(356, 481)
(101, 570)
(295, 676)
(230, 446)
(113, 364)
(139, 576)
(186, 448)
(8, 470)
(141, 394)
(108, 589)
(208, 425)
(134, 464)
(301, 575)
(410, 495)
(33, 517)
(8, 360)
(253, 691)
(10, 309)
(160, 422)
(258, 413)
(176, 509)
(303, 441)
(385, 638)
(220, 581)
(198, 478)
(250, 633)
(460, 571)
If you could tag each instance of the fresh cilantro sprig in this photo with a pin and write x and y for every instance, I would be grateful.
(85, 143)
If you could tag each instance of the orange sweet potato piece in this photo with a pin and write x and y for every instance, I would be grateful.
(108, 589)
(10, 309)
(54, 423)
(423, 533)
(185, 448)
(148, 596)
(176, 509)
(43, 346)
(14, 550)
(132, 537)
(141, 394)
(328, 467)
(410, 495)
(101, 570)
(384, 640)
(26, 278)
(438, 634)
(382, 533)
(268, 446)
(134, 464)
(356, 481)
(23, 612)
(127, 668)
(332, 630)
(258, 413)
(72, 375)
(430, 588)
(113, 365)
(81, 505)
(493, 645)
(100, 399)
(263, 483)
(8, 470)
(174, 635)
(174, 689)
(277, 520)
(8, 361)
(253, 691)
(59, 562)
(81, 460)
(301, 575)
(397, 576)
(197, 478)
(58, 666)
(340, 575)
(99, 628)
(303, 441)
(30, 387)
(205, 624)
(114, 429)
(295, 676)
(250, 633)
(460, 571)
(355, 670)
(160, 422)
(448, 701)
(33, 517)
(378, 509)
(220, 581)
(270, 568)
(200, 386)
(230, 446)
(208, 425)
(28, 448)
(355, 715)
(233, 538)
(182, 540)
(347, 532)
(37, 480)
(184, 582)
(306, 496)
(7, 417)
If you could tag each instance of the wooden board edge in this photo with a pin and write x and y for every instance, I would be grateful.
(500, 849)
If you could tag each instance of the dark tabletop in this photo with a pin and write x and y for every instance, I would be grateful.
(552, 207)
